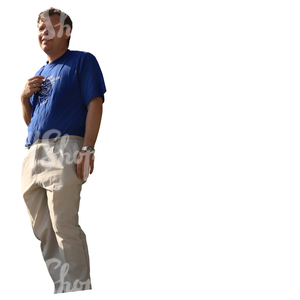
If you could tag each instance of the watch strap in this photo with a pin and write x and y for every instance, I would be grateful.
(88, 149)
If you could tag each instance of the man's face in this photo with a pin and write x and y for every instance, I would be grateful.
(52, 36)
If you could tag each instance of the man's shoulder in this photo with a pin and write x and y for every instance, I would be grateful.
(83, 59)
(80, 54)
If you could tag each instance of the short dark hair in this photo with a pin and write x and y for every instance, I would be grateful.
(53, 11)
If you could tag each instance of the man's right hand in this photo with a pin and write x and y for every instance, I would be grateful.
(32, 85)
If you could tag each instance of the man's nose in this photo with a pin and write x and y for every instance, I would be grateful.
(44, 32)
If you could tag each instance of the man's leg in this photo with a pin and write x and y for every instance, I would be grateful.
(63, 194)
(64, 205)
(36, 201)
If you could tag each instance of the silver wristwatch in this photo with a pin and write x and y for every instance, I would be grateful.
(89, 149)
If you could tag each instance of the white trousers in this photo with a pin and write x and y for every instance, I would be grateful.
(51, 190)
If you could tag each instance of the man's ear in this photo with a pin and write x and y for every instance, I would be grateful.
(68, 32)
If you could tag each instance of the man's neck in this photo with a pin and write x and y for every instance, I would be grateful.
(54, 57)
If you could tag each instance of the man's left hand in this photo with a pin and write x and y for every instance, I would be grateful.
(85, 164)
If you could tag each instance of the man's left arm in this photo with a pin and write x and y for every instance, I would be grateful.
(85, 164)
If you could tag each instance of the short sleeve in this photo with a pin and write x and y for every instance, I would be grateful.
(91, 79)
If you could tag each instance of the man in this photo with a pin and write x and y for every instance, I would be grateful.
(62, 107)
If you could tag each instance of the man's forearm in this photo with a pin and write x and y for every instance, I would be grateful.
(26, 108)
(93, 121)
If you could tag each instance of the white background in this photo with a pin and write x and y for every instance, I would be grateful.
(195, 193)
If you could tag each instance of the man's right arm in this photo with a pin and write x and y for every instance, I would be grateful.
(26, 108)
(32, 85)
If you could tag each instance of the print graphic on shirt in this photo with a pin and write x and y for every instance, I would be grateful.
(46, 89)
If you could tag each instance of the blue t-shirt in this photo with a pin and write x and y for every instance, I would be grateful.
(60, 107)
